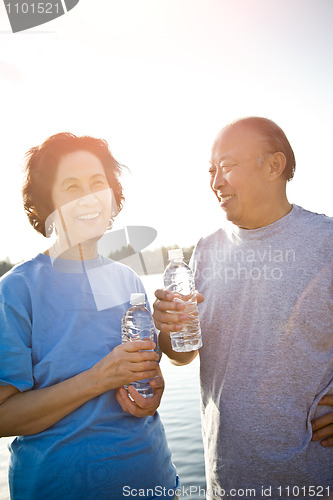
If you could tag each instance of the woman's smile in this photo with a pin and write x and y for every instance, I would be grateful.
(89, 216)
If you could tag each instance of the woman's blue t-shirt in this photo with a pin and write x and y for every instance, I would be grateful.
(58, 319)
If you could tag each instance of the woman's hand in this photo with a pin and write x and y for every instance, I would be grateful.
(141, 407)
(322, 427)
(31, 412)
(126, 363)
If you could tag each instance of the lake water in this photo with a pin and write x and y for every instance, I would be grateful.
(180, 414)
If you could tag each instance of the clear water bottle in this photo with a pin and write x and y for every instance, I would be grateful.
(137, 324)
(178, 278)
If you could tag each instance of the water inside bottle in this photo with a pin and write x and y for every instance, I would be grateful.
(134, 327)
(189, 339)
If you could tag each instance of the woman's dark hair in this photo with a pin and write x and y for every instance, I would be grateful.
(41, 164)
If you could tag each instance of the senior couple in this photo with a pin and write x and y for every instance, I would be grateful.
(265, 302)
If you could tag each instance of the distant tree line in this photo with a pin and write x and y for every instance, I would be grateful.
(126, 252)
(186, 251)
(5, 266)
(147, 261)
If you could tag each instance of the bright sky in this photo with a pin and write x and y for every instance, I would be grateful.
(158, 79)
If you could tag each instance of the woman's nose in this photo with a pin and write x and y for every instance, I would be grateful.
(89, 199)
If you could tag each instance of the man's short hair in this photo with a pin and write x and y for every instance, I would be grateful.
(275, 139)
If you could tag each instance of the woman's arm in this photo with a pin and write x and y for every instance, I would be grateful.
(30, 412)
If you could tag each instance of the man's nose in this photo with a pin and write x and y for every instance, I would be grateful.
(219, 179)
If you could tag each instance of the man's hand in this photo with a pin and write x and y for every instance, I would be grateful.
(322, 427)
(141, 407)
(169, 315)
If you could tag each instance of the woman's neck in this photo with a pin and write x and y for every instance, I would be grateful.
(82, 251)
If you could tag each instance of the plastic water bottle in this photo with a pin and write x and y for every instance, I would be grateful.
(137, 324)
(178, 278)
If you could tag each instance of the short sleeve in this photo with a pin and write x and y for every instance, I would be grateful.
(15, 335)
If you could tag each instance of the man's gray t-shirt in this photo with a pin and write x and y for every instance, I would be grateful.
(267, 356)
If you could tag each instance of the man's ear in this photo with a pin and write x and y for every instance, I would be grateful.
(277, 164)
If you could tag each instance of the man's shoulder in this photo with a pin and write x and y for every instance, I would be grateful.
(312, 233)
(320, 225)
(315, 216)
(211, 239)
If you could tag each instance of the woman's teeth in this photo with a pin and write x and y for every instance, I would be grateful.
(88, 216)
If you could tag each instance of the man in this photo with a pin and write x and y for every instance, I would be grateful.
(266, 365)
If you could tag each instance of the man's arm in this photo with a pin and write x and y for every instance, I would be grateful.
(169, 316)
(322, 427)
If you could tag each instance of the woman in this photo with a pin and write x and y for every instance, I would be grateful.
(62, 363)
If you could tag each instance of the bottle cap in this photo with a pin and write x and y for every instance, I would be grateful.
(176, 253)
(137, 299)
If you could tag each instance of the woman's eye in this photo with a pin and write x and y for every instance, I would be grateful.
(72, 187)
(99, 184)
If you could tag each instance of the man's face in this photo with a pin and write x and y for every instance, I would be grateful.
(235, 177)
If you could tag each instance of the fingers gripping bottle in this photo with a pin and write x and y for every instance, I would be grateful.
(178, 278)
(137, 324)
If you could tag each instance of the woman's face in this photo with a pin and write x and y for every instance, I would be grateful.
(81, 197)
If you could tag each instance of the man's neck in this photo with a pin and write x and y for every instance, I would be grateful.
(269, 213)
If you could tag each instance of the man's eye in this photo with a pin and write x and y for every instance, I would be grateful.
(226, 168)
(72, 187)
(212, 168)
